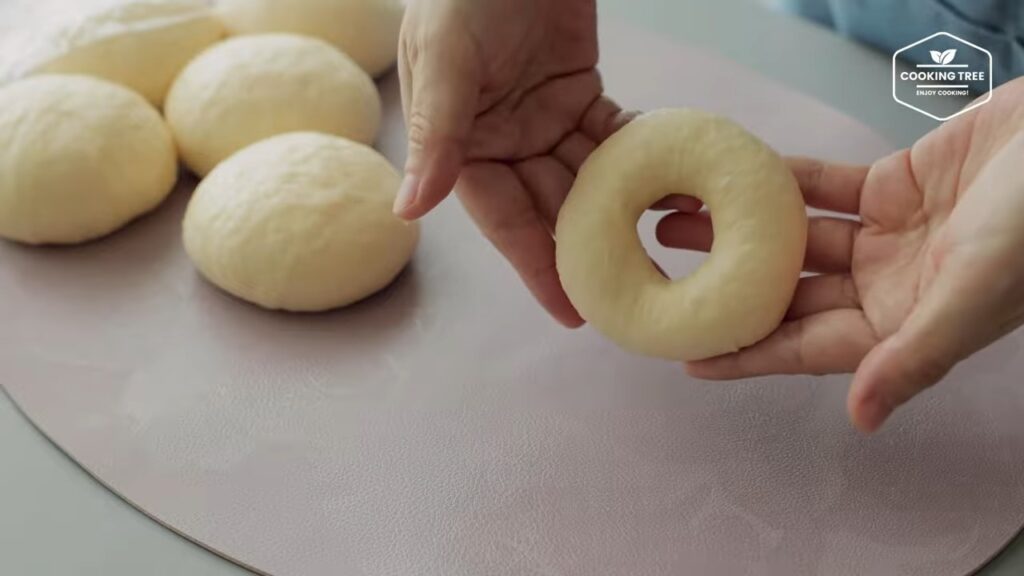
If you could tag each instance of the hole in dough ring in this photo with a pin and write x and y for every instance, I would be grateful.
(740, 294)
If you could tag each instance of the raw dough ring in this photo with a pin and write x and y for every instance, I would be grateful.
(740, 294)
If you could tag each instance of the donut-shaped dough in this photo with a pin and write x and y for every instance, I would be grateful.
(141, 44)
(740, 294)
(366, 30)
(79, 158)
(253, 87)
(300, 222)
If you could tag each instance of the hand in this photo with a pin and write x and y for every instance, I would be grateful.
(503, 96)
(930, 273)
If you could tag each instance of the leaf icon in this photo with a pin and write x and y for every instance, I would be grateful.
(936, 56)
(948, 55)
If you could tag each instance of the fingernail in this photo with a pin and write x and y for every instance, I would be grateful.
(406, 194)
(874, 413)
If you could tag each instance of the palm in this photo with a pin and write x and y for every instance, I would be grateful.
(920, 214)
(894, 252)
(537, 75)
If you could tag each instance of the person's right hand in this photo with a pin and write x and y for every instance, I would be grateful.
(503, 97)
(928, 273)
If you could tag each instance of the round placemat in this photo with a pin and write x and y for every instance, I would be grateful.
(447, 427)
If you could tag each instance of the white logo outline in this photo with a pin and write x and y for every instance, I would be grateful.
(945, 60)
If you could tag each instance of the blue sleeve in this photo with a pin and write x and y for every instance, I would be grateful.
(996, 25)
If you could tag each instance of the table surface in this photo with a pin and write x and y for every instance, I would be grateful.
(56, 520)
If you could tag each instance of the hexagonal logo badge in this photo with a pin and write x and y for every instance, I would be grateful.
(942, 76)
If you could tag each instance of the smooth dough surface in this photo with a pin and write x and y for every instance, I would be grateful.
(300, 222)
(253, 87)
(79, 158)
(740, 294)
(366, 30)
(141, 44)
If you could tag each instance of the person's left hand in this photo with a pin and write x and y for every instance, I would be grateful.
(503, 95)
(931, 272)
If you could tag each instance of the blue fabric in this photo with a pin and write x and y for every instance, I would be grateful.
(996, 25)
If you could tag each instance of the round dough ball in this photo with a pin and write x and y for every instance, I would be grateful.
(141, 44)
(250, 88)
(300, 222)
(79, 158)
(366, 30)
(740, 294)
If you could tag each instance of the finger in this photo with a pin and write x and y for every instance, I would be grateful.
(496, 199)
(574, 150)
(404, 74)
(444, 84)
(830, 244)
(604, 118)
(829, 240)
(548, 181)
(817, 294)
(828, 343)
(678, 203)
(834, 187)
(686, 231)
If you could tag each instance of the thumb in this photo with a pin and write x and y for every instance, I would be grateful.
(943, 329)
(442, 87)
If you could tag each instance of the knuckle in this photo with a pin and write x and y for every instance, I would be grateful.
(419, 128)
(537, 274)
(849, 292)
(800, 350)
(424, 132)
(815, 173)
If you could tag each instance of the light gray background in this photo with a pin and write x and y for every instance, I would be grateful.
(54, 519)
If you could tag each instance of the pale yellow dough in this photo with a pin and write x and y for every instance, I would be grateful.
(79, 158)
(300, 222)
(366, 30)
(141, 44)
(740, 294)
(253, 87)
